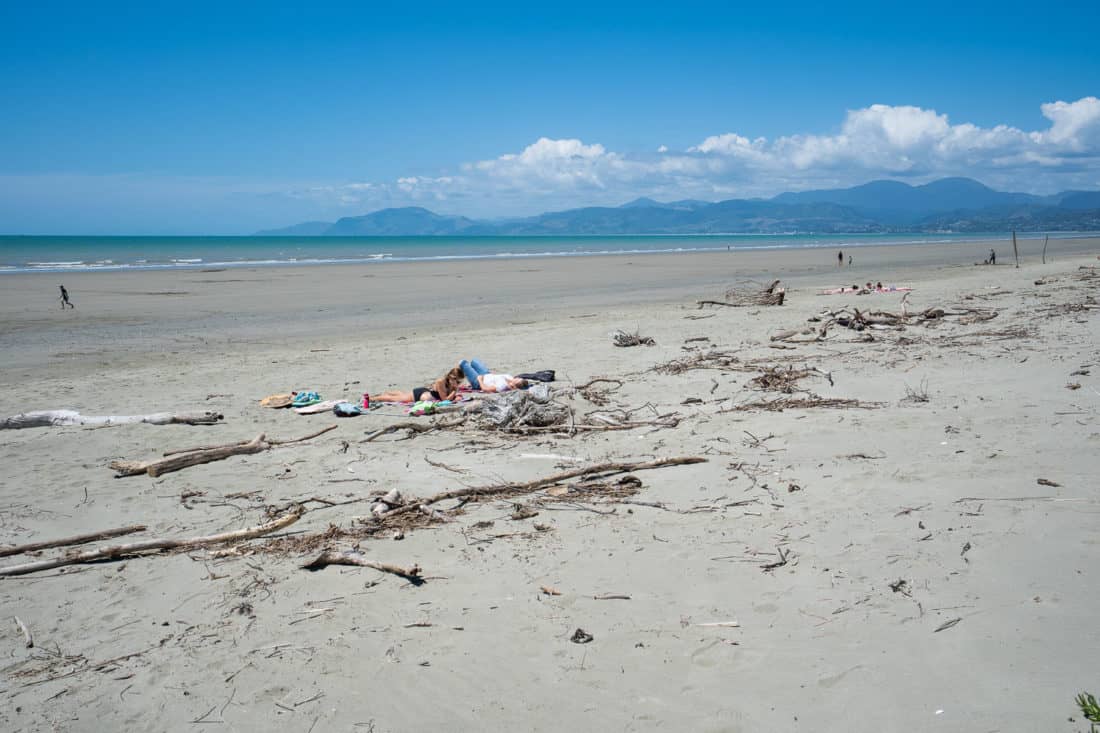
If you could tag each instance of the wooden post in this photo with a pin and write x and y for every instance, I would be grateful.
(1045, 240)
(1014, 250)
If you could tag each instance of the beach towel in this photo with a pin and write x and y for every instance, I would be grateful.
(423, 407)
(315, 407)
(546, 375)
(277, 400)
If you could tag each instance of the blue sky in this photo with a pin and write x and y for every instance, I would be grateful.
(204, 118)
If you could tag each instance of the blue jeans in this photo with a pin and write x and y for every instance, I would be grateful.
(473, 369)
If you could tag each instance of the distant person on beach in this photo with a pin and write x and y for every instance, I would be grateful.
(444, 388)
(992, 257)
(481, 378)
(849, 260)
(65, 298)
(840, 258)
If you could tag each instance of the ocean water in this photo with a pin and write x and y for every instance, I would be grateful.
(70, 254)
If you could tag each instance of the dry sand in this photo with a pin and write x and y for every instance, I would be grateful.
(941, 494)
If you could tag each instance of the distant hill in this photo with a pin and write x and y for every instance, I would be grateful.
(896, 203)
(949, 204)
(398, 222)
(305, 229)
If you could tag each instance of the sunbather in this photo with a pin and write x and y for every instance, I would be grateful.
(481, 378)
(444, 388)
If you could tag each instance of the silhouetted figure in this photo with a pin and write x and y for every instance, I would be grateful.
(65, 298)
(840, 258)
(992, 257)
(849, 260)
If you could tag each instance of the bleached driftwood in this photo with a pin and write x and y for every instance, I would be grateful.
(179, 461)
(351, 557)
(60, 418)
(116, 551)
(79, 539)
(771, 295)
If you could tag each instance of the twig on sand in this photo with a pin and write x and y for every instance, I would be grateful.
(783, 555)
(116, 551)
(199, 456)
(946, 625)
(26, 632)
(79, 539)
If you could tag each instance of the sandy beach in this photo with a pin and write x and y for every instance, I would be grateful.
(913, 547)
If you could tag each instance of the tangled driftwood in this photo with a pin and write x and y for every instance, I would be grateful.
(857, 320)
(522, 488)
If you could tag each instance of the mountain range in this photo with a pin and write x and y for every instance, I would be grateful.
(946, 205)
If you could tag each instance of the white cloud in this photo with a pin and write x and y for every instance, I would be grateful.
(879, 141)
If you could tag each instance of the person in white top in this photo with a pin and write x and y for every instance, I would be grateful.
(481, 378)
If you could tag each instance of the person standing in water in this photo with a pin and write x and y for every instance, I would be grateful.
(65, 298)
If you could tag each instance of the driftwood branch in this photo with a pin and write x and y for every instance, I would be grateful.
(519, 488)
(351, 557)
(412, 428)
(116, 551)
(79, 539)
(184, 460)
(61, 418)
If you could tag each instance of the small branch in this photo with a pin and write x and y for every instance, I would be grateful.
(26, 632)
(351, 557)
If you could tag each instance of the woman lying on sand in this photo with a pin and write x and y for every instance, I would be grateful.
(481, 378)
(444, 388)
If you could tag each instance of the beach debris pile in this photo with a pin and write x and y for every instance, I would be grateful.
(622, 338)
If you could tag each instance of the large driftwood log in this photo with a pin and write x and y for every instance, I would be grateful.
(59, 418)
(605, 468)
(771, 295)
(351, 557)
(179, 461)
(116, 551)
(79, 539)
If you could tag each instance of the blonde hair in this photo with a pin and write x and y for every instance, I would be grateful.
(448, 382)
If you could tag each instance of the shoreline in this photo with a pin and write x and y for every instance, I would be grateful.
(210, 262)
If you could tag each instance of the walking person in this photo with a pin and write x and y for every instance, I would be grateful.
(992, 257)
(840, 258)
(65, 298)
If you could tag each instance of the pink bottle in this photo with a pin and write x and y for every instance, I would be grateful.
(366, 401)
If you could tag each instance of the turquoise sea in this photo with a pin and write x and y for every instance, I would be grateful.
(68, 254)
